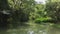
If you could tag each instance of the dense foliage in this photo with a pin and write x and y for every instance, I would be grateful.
(53, 10)
(17, 11)
(20, 11)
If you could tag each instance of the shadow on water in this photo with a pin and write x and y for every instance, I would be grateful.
(3, 29)
(55, 29)
(12, 28)
(45, 28)
(17, 25)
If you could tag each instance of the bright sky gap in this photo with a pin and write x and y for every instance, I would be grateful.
(40, 1)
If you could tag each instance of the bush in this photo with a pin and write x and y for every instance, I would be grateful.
(42, 19)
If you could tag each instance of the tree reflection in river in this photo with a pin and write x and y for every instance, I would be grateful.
(33, 29)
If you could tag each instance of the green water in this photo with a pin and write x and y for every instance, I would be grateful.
(32, 29)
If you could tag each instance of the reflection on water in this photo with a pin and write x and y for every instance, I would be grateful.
(30, 32)
(32, 29)
(39, 32)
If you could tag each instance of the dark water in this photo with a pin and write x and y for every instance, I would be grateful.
(32, 29)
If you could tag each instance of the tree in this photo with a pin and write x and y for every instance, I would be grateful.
(21, 9)
(4, 5)
(53, 10)
(4, 15)
(15, 11)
